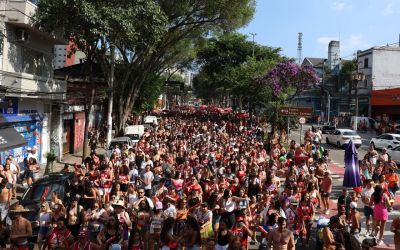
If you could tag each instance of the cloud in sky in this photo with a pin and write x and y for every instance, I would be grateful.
(324, 40)
(348, 44)
(338, 5)
(388, 10)
(354, 42)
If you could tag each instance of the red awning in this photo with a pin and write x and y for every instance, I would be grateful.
(385, 97)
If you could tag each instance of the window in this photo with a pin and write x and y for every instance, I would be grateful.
(350, 133)
(366, 63)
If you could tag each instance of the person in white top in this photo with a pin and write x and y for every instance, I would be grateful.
(15, 171)
(148, 178)
(44, 222)
(32, 153)
(366, 198)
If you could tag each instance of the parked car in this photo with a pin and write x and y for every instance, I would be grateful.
(386, 141)
(326, 128)
(342, 137)
(394, 154)
(41, 190)
(397, 129)
(120, 141)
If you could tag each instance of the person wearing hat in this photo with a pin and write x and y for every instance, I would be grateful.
(123, 218)
(355, 219)
(21, 228)
(83, 243)
(32, 153)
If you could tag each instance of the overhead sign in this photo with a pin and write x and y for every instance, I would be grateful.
(296, 111)
(302, 120)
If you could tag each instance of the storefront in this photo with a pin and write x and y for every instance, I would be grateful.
(73, 132)
(386, 102)
(30, 128)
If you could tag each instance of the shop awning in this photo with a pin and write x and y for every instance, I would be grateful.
(385, 97)
(9, 137)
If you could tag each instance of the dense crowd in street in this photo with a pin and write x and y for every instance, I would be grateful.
(208, 183)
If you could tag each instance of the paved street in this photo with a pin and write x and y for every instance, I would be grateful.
(337, 169)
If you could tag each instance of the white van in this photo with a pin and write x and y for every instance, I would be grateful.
(369, 122)
(150, 120)
(134, 132)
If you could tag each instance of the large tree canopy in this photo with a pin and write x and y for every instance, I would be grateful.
(149, 35)
(227, 66)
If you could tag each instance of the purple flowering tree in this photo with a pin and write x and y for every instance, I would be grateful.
(288, 77)
(282, 82)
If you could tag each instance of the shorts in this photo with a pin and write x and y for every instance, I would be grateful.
(368, 211)
(43, 231)
(104, 191)
(29, 174)
(325, 194)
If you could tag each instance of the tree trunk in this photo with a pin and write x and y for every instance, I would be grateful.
(111, 97)
(88, 112)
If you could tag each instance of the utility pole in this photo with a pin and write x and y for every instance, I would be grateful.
(253, 34)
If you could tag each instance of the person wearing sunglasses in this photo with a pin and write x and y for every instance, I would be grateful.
(44, 223)
(111, 233)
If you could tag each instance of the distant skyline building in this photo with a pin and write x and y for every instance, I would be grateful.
(333, 54)
(61, 58)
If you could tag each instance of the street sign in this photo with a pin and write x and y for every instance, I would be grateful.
(295, 111)
(302, 120)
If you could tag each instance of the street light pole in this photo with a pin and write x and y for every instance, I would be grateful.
(329, 105)
(253, 34)
(356, 77)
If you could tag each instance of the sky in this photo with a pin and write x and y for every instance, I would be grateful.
(357, 24)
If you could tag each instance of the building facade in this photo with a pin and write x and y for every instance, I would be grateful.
(26, 77)
(379, 93)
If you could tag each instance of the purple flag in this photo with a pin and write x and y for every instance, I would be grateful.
(351, 173)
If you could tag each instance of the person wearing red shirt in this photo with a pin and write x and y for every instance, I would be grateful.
(106, 178)
(242, 231)
(305, 212)
(193, 185)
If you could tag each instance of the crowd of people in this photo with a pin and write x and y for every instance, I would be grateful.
(211, 183)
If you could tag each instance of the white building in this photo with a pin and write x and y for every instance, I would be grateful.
(26, 74)
(378, 93)
(60, 56)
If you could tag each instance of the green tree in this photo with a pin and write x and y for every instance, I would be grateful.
(228, 67)
(149, 35)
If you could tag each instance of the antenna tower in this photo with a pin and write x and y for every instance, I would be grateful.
(300, 48)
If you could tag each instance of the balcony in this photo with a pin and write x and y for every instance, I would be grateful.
(20, 11)
(28, 85)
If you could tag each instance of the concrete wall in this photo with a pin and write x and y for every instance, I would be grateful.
(22, 5)
(386, 68)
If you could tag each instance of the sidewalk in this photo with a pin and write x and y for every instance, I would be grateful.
(70, 159)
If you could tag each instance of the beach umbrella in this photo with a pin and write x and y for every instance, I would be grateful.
(351, 174)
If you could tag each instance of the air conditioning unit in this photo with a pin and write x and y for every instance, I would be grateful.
(21, 35)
